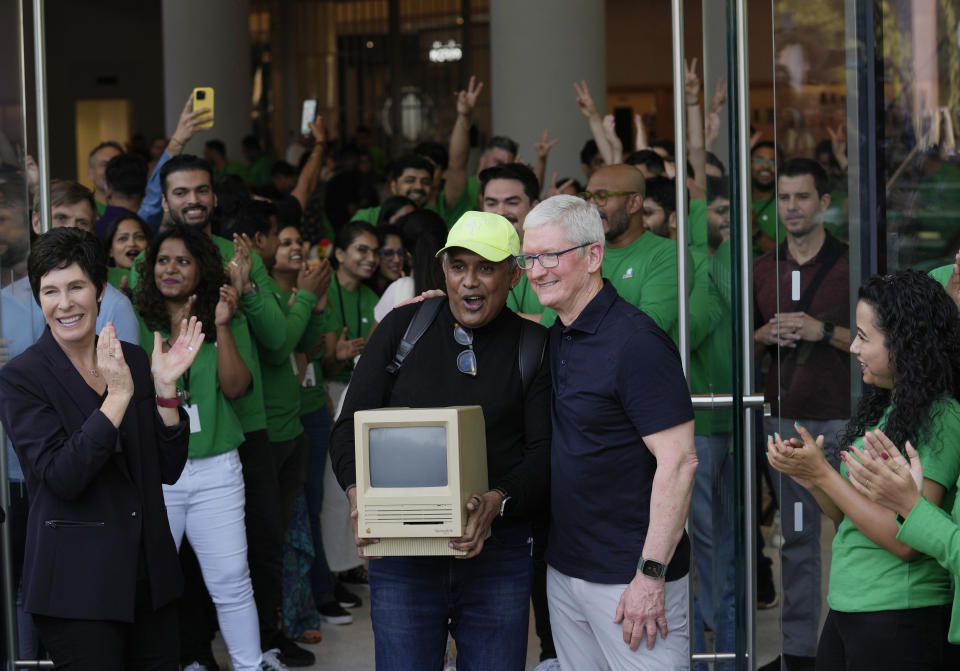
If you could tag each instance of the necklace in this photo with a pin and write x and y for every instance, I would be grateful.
(94, 372)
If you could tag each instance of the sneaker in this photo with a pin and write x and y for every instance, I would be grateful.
(269, 661)
(345, 597)
(195, 666)
(334, 613)
(292, 654)
(355, 576)
(552, 664)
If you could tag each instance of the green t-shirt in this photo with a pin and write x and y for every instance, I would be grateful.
(866, 578)
(220, 428)
(258, 172)
(697, 224)
(312, 394)
(942, 274)
(523, 299)
(281, 387)
(468, 200)
(644, 273)
(115, 274)
(353, 309)
(767, 219)
(231, 168)
(710, 345)
(101, 208)
(372, 214)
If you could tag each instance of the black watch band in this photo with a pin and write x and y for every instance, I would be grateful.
(652, 568)
(506, 497)
(828, 328)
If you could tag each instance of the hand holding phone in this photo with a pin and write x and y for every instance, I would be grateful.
(203, 99)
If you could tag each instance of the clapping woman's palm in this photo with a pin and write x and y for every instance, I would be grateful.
(167, 367)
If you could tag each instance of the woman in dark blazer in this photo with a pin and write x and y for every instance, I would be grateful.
(97, 428)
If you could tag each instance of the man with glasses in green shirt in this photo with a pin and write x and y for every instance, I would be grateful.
(641, 266)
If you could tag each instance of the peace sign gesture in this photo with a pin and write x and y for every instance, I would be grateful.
(467, 99)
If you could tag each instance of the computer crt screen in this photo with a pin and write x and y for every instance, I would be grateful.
(408, 456)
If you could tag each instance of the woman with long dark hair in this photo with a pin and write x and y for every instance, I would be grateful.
(889, 604)
(126, 237)
(182, 274)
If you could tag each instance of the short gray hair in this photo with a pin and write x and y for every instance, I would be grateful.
(579, 219)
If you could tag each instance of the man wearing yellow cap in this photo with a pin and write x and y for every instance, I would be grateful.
(467, 356)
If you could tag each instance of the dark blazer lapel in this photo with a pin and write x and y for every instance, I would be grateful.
(66, 376)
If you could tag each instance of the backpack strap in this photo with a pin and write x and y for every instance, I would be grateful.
(533, 343)
(421, 321)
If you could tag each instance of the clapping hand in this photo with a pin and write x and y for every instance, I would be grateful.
(801, 458)
(111, 364)
(167, 367)
(226, 306)
(882, 474)
(239, 267)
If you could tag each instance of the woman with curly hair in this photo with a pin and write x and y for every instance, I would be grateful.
(182, 275)
(889, 604)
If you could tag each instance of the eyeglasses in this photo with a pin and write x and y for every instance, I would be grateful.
(600, 197)
(387, 253)
(467, 359)
(760, 160)
(547, 259)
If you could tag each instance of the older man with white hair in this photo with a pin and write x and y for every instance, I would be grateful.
(622, 457)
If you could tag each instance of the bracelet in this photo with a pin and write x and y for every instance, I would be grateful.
(169, 402)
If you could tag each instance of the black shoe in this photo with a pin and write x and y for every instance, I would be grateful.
(345, 597)
(355, 576)
(292, 654)
(334, 613)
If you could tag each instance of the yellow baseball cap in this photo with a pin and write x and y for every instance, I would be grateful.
(487, 234)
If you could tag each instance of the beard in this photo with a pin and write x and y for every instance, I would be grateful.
(616, 224)
(177, 217)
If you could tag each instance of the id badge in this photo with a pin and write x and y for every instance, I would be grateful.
(310, 378)
(193, 412)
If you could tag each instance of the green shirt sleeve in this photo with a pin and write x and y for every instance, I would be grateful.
(928, 529)
(942, 274)
(263, 315)
(294, 322)
(659, 297)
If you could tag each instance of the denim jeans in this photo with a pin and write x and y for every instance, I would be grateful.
(483, 602)
(712, 523)
(316, 424)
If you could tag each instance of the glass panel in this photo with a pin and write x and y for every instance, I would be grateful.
(802, 287)
(716, 520)
(16, 301)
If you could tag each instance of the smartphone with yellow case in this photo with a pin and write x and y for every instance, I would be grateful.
(203, 99)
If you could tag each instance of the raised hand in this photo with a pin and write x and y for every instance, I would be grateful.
(882, 474)
(239, 267)
(584, 100)
(347, 348)
(226, 306)
(691, 81)
(309, 279)
(181, 315)
(641, 133)
(188, 124)
(544, 146)
(167, 367)
(838, 142)
(467, 99)
(111, 364)
(319, 131)
(610, 131)
(557, 188)
(719, 98)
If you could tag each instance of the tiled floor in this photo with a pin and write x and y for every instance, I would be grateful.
(350, 647)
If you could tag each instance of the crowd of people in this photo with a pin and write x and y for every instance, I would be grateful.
(264, 302)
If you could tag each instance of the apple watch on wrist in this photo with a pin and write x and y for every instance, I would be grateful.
(828, 328)
(651, 568)
(503, 503)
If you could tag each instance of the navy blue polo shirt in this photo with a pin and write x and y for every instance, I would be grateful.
(616, 377)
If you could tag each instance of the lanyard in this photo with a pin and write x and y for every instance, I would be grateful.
(343, 314)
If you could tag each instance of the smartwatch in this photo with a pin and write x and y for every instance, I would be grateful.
(652, 568)
(827, 331)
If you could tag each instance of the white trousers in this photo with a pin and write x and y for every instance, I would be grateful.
(207, 504)
(581, 615)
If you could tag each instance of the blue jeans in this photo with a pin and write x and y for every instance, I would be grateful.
(484, 603)
(316, 425)
(712, 520)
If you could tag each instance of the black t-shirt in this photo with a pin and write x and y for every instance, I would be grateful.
(517, 424)
(616, 377)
